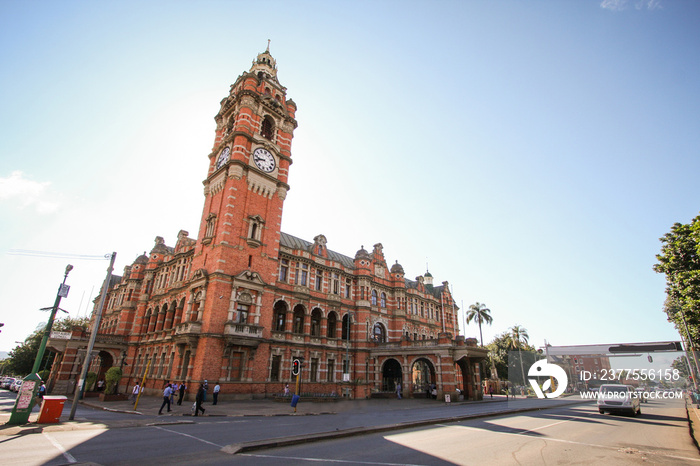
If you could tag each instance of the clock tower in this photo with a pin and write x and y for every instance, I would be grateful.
(246, 183)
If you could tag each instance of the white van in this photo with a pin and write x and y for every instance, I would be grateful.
(618, 398)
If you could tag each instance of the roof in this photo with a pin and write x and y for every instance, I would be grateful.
(292, 242)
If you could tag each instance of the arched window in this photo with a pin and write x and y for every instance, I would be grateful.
(267, 130)
(346, 327)
(299, 320)
(374, 297)
(383, 299)
(280, 312)
(316, 323)
(379, 333)
(331, 324)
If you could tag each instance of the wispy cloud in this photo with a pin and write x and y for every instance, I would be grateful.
(620, 5)
(26, 193)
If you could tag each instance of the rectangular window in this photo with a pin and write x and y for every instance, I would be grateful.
(313, 370)
(348, 288)
(336, 284)
(304, 274)
(330, 376)
(319, 280)
(242, 317)
(275, 368)
(284, 270)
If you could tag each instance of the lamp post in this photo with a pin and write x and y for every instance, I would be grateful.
(93, 335)
(30, 384)
(346, 375)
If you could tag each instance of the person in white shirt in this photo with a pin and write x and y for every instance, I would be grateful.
(135, 391)
(166, 398)
(216, 393)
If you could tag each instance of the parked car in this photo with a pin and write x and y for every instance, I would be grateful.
(7, 382)
(618, 398)
(16, 385)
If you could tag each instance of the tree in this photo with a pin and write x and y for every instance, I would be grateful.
(679, 260)
(20, 361)
(499, 348)
(518, 339)
(481, 314)
(498, 353)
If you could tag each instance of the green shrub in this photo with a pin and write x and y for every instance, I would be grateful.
(90, 381)
(112, 378)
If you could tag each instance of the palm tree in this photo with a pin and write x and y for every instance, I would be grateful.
(481, 314)
(518, 339)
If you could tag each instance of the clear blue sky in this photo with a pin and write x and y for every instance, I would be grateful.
(531, 153)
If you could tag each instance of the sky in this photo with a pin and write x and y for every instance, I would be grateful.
(531, 154)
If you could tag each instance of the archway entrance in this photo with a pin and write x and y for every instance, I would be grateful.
(422, 378)
(391, 375)
(106, 362)
(470, 383)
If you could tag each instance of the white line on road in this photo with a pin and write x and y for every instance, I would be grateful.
(187, 435)
(60, 448)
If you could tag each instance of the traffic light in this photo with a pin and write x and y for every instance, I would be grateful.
(296, 366)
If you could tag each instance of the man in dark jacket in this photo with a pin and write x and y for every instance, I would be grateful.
(198, 400)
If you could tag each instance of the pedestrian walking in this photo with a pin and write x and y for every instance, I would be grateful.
(206, 387)
(166, 398)
(199, 398)
(173, 389)
(135, 391)
(286, 390)
(215, 393)
(398, 390)
(181, 389)
(491, 391)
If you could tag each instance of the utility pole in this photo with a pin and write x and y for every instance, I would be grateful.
(30, 384)
(93, 335)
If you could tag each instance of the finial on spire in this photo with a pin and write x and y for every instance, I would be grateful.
(268, 46)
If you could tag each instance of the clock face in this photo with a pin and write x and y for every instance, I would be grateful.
(223, 157)
(264, 160)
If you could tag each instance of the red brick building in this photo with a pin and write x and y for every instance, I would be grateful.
(238, 304)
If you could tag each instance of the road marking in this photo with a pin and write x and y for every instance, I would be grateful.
(187, 435)
(60, 448)
(326, 460)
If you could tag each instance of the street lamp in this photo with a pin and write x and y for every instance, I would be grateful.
(346, 373)
(30, 385)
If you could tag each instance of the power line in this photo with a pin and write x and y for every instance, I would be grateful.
(56, 255)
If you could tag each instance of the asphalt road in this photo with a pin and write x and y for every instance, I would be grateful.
(574, 434)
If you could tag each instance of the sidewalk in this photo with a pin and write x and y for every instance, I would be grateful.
(146, 414)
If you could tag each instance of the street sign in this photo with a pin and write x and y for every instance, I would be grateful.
(63, 291)
(61, 335)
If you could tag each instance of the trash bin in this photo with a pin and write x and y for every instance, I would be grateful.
(51, 409)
